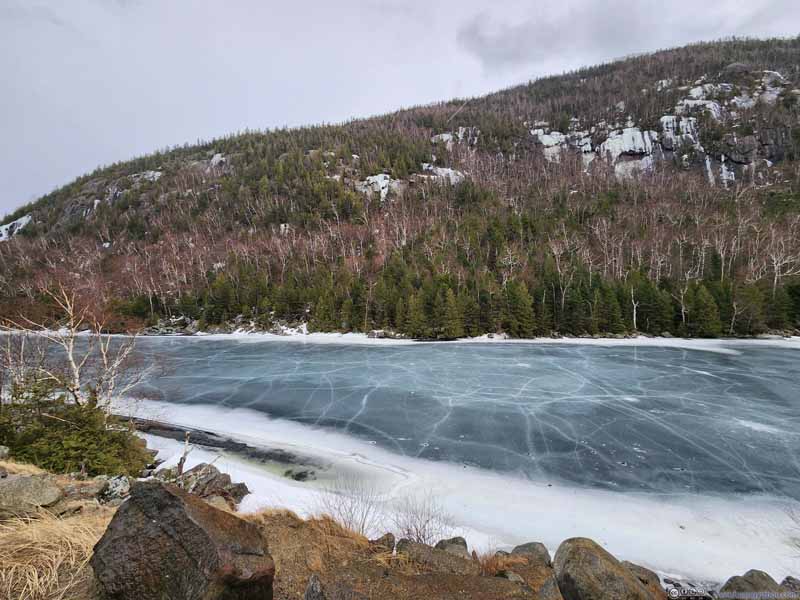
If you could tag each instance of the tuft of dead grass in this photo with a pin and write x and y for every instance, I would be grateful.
(15, 468)
(493, 563)
(46, 557)
(266, 514)
(328, 527)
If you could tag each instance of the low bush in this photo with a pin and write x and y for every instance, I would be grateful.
(64, 437)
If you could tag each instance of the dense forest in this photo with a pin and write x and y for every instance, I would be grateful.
(612, 200)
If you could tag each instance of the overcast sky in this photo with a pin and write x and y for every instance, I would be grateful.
(89, 82)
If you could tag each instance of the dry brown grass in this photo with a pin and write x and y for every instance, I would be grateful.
(266, 514)
(327, 527)
(15, 468)
(493, 563)
(301, 547)
(46, 557)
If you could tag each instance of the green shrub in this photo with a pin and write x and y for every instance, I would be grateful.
(63, 437)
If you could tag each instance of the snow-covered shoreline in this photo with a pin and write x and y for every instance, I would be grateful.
(721, 345)
(692, 536)
(724, 345)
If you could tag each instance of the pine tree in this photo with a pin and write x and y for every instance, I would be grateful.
(324, 319)
(777, 309)
(453, 319)
(703, 313)
(399, 314)
(610, 312)
(472, 314)
(416, 321)
(519, 321)
(747, 316)
(664, 314)
(544, 309)
(346, 314)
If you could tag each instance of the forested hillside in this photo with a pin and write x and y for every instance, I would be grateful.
(660, 193)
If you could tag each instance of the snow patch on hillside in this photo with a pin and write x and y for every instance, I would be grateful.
(443, 173)
(469, 135)
(9, 230)
(150, 176)
(380, 184)
(629, 141)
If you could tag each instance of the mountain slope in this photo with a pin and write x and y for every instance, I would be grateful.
(657, 193)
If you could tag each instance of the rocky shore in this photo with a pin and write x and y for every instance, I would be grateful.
(176, 535)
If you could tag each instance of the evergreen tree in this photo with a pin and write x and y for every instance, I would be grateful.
(324, 315)
(346, 315)
(777, 309)
(453, 320)
(703, 313)
(519, 321)
(400, 315)
(471, 311)
(610, 312)
(747, 316)
(416, 321)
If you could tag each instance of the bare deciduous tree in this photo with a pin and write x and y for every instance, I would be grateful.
(77, 358)
(420, 518)
(352, 502)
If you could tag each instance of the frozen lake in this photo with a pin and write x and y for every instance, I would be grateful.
(657, 420)
(667, 456)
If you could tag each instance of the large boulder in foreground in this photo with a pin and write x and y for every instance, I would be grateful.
(648, 579)
(536, 572)
(22, 495)
(585, 571)
(536, 550)
(166, 543)
(752, 581)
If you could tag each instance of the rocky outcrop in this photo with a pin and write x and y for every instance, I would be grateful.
(117, 489)
(537, 573)
(752, 581)
(737, 141)
(535, 550)
(9, 230)
(380, 184)
(22, 495)
(88, 489)
(437, 560)
(206, 481)
(791, 584)
(442, 174)
(467, 135)
(456, 546)
(4, 452)
(166, 543)
(585, 571)
(385, 542)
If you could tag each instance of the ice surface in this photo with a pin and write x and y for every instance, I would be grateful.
(646, 419)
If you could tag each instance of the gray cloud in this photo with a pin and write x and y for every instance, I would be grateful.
(90, 82)
(576, 32)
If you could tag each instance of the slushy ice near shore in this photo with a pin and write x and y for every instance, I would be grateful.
(683, 460)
